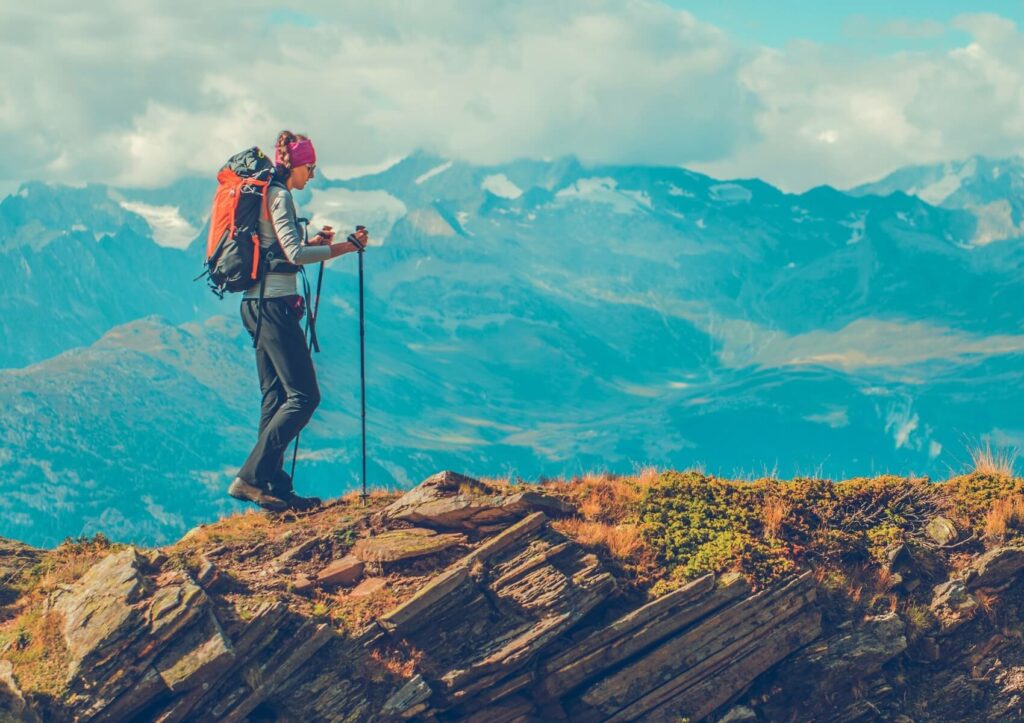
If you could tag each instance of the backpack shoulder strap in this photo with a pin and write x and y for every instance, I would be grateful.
(269, 195)
(274, 189)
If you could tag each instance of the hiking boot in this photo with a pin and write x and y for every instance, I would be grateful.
(299, 503)
(242, 490)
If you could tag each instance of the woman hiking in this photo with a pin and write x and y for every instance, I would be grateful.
(287, 377)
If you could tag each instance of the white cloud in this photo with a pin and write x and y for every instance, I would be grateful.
(836, 417)
(833, 116)
(341, 208)
(861, 344)
(139, 94)
(901, 421)
(166, 223)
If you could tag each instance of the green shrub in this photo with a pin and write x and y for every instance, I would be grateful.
(700, 524)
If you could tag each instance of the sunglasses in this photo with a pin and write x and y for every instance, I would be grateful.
(311, 167)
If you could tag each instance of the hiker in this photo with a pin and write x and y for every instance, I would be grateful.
(287, 377)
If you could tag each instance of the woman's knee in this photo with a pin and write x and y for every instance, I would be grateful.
(306, 400)
(273, 398)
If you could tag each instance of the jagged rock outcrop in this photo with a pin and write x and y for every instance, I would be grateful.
(404, 544)
(995, 568)
(828, 675)
(453, 501)
(497, 615)
(13, 706)
(704, 664)
(952, 605)
(954, 602)
(344, 571)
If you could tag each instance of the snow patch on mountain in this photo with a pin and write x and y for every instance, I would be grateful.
(501, 186)
(343, 209)
(935, 191)
(166, 222)
(856, 227)
(605, 190)
(436, 170)
(674, 190)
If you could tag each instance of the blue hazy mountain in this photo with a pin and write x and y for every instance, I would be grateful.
(533, 318)
(80, 261)
(992, 190)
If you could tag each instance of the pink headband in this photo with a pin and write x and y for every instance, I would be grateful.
(301, 152)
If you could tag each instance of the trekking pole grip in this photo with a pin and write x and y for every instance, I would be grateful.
(354, 241)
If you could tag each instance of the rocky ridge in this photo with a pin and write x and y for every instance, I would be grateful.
(464, 601)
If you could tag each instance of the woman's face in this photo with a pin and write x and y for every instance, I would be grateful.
(300, 175)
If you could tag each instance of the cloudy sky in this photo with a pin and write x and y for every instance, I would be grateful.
(799, 93)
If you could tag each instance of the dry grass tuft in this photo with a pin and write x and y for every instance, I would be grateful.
(501, 482)
(353, 613)
(886, 578)
(240, 526)
(1005, 517)
(646, 476)
(623, 541)
(374, 494)
(604, 497)
(400, 661)
(773, 514)
(988, 601)
(987, 460)
(36, 648)
(591, 507)
(62, 566)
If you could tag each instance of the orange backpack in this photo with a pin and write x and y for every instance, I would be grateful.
(233, 255)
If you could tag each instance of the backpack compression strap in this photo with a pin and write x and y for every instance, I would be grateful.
(259, 304)
(314, 343)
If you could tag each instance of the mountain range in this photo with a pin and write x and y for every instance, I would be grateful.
(531, 319)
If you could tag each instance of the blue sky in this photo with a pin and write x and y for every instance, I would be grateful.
(796, 93)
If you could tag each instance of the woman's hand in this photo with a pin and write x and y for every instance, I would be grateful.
(324, 238)
(361, 236)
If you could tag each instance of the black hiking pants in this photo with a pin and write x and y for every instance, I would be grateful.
(288, 383)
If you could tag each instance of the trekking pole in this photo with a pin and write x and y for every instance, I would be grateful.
(313, 312)
(362, 351)
(310, 327)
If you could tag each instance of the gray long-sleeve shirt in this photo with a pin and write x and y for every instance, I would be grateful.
(283, 227)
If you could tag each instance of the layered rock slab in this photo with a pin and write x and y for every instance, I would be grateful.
(705, 663)
(491, 613)
(449, 500)
(512, 630)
